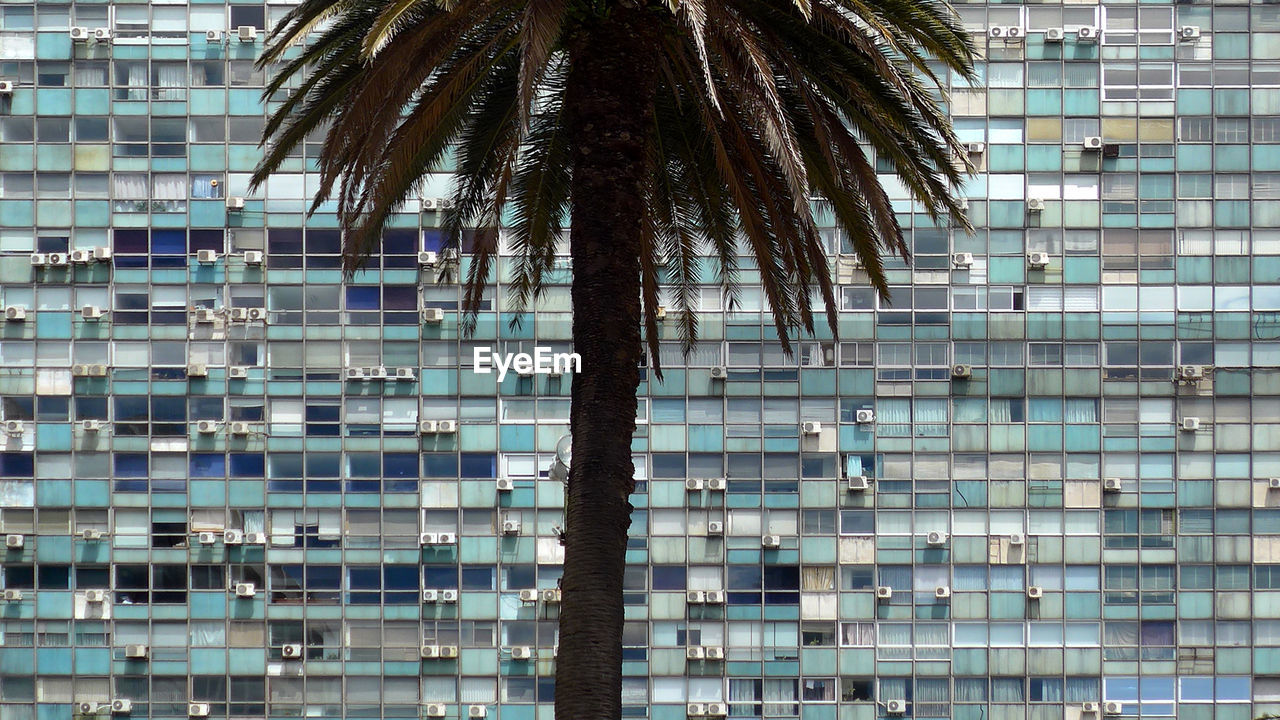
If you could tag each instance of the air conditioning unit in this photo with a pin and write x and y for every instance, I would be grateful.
(1035, 205)
(205, 315)
(715, 652)
(254, 257)
(529, 595)
(446, 538)
(1088, 33)
(510, 526)
(12, 595)
(864, 417)
(39, 259)
(1191, 372)
(91, 534)
(448, 596)
(6, 87)
(1189, 32)
(197, 370)
(962, 259)
(428, 427)
(811, 427)
(255, 538)
(504, 484)
(135, 652)
(717, 709)
(693, 484)
(429, 652)
(430, 596)
(235, 202)
(14, 427)
(1112, 708)
(695, 597)
(59, 259)
(206, 427)
(428, 259)
(81, 257)
(859, 483)
(91, 425)
(1190, 424)
(78, 33)
(436, 204)
(975, 148)
(715, 597)
(207, 538)
(719, 372)
(121, 705)
(961, 371)
(551, 595)
(213, 35)
(256, 314)
(1013, 32)
(997, 31)
(1053, 35)
(406, 374)
(355, 374)
(432, 315)
(376, 373)
(445, 427)
(1037, 260)
(771, 542)
(101, 254)
(695, 710)
(1017, 539)
(237, 372)
(97, 371)
(1112, 485)
(1089, 708)
(474, 712)
(1273, 483)
(95, 596)
(14, 541)
(717, 484)
(896, 707)
(291, 650)
(102, 34)
(1035, 592)
(246, 590)
(232, 537)
(246, 33)
(92, 312)
(936, 538)
(197, 709)
(942, 592)
(80, 371)
(522, 652)
(86, 708)
(1092, 142)
(436, 710)
(715, 528)
(694, 653)
(15, 313)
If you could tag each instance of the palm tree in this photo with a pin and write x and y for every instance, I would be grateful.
(664, 130)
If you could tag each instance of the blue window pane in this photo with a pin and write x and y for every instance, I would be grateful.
(208, 465)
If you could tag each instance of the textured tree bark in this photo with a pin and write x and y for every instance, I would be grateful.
(609, 105)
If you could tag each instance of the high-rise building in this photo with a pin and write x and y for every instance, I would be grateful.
(1042, 484)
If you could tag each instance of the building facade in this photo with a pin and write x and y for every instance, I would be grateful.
(1039, 481)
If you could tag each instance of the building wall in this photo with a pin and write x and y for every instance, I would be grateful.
(1162, 250)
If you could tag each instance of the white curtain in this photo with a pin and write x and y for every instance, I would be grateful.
(172, 82)
(129, 186)
(1001, 410)
(137, 81)
(780, 697)
(1081, 410)
(971, 689)
(1007, 690)
(1082, 689)
(90, 76)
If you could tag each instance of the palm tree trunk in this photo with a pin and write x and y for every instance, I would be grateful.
(609, 104)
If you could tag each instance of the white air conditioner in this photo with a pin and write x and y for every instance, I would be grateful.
(942, 592)
(692, 484)
(1092, 142)
(430, 596)
(1112, 485)
(91, 534)
(15, 427)
(429, 652)
(102, 33)
(435, 204)
(714, 652)
(213, 35)
(960, 371)
(717, 709)
(240, 428)
(206, 316)
(235, 202)
(811, 427)
(695, 710)
(717, 484)
(245, 590)
(78, 33)
(206, 427)
(446, 538)
(715, 527)
(1035, 205)
(135, 652)
(91, 425)
(1190, 424)
(197, 370)
(510, 526)
(448, 596)
(1017, 539)
(504, 484)
(771, 542)
(376, 373)
(428, 259)
(864, 417)
(14, 541)
(719, 372)
(291, 650)
(86, 708)
(428, 427)
(257, 314)
(432, 315)
(997, 31)
(101, 254)
(522, 652)
(1088, 33)
(475, 712)
(445, 427)
(529, 595)
(436, 710)
(79, 371)
(15, 313)
(12, 595)
(207, 538)
(1013, 32)
(6, 87)
(253, 257)
(121, 705)
(197, 709)
(551, 595)
(237, 372)
(1035, 592)
(1189, 32)
(859, 483)
(1191, 372)
(962, 259)
(239, 314)
(1089, 708)
(59, 259)
(975, 148)
(406, 374)
(81, 257)
(255, 538)
(1273, 483)
(39, 259)
(896, 707)
(1053, 35)
(695, 597)
(91, 312)
(936, 538)
(1037, 260)
(246, 33)
(694, 653)
(232, 537)
(1112, 708)
(715, 597)
(95, 596)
